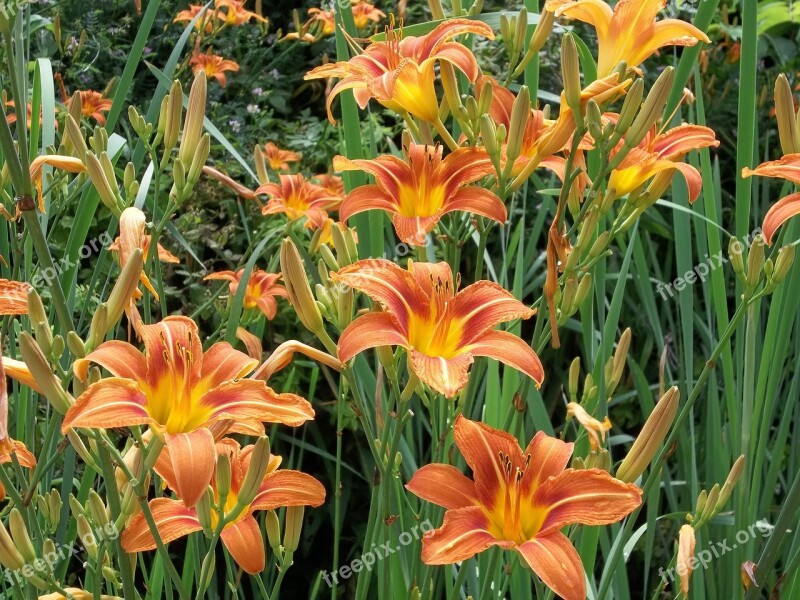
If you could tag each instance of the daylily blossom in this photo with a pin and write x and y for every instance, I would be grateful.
(204, 23)
(179, 391)
(132, 237)
(399, 72)
(630, 31)
(14, 297)
(657, 157)
(442, 328)
(332, 184)
(325, 18)
(214, 66)
(242, 537)
(595, 429)
(233, 12)
(297, 198)
(365, 13)
(94, 105)
(11, 116)
(262, 289)
(518, 501)
(7, 445)
(279, 159)
(788, 168)
(422, 187)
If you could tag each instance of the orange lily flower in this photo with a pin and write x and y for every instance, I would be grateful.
(518, 501)
(595, 429)
(206, 22)
(242, 538)
(325, 18)
(658, 156)
(234, 12)
(65, 163)
(364, 13)
(94, 105)
(11, 118)
(332, 184)
(7, 445)
(279, 159)
(630, 31)
(297, 198)
(399, 73)
(418, 190)
(132, 237)
(13, 298)
(214, 66)
(262, 288)
(787, 167)
(180, 391)
(442, 328)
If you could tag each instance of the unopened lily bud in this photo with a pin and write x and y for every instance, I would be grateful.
(162, 116)
(298, 288)
(199, 159)
(10, 556)
(783, 263)
(259, 462)
(193, 124)
(99, 326)
(651, 109)
(97, 509)
(710, 508)
(685, 561)
(76, 345)
(570, 73)
(489, 135)
(735, 249)
(19, 533)
(111, 576)
(174, 112)
(599, 246)
(273, 526)
(328, 259)
(755, 262)
(630, 106)
(542, 31)
(594, 120)
(473, 112)
(261, 165)
(223, 477)
(294, 526)
(86, 536)
(651, 436)
(485, 97)
(125, 288)
(36, 310)
(700, 505)
(587, 227)
(617, 363)
(520, 30)
(574, 374)
(54, 507)
(81, 449)
(520, 111)
(49, 548)
(786, 116)
(598, 459)
(43, 375)
(101, 183)
(344, 244)
(203, 510)
(57, 346)
(75, 506)
(74, 137)
(730, 483)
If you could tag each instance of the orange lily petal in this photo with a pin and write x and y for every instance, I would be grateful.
(111, 402)
(554, 559)
(19, 371)
(483, 305)
(445, 375)
(371, 330)
(118, 358)
(463, 534)
(251, 342)
(193, 457)
(443, 485)
(14, 297)
(787, 167)
(251, 399)
(479, 201)
(549, 457)
(172, 346)
(510, 350)
(243, 540)
(288, 488)
(222, 363)
(25, 457)
(589, 496)
(173, 520)
(780, 212)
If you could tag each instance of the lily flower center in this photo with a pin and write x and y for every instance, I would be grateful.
(174, 399)
(437, 332)
(514, 516)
